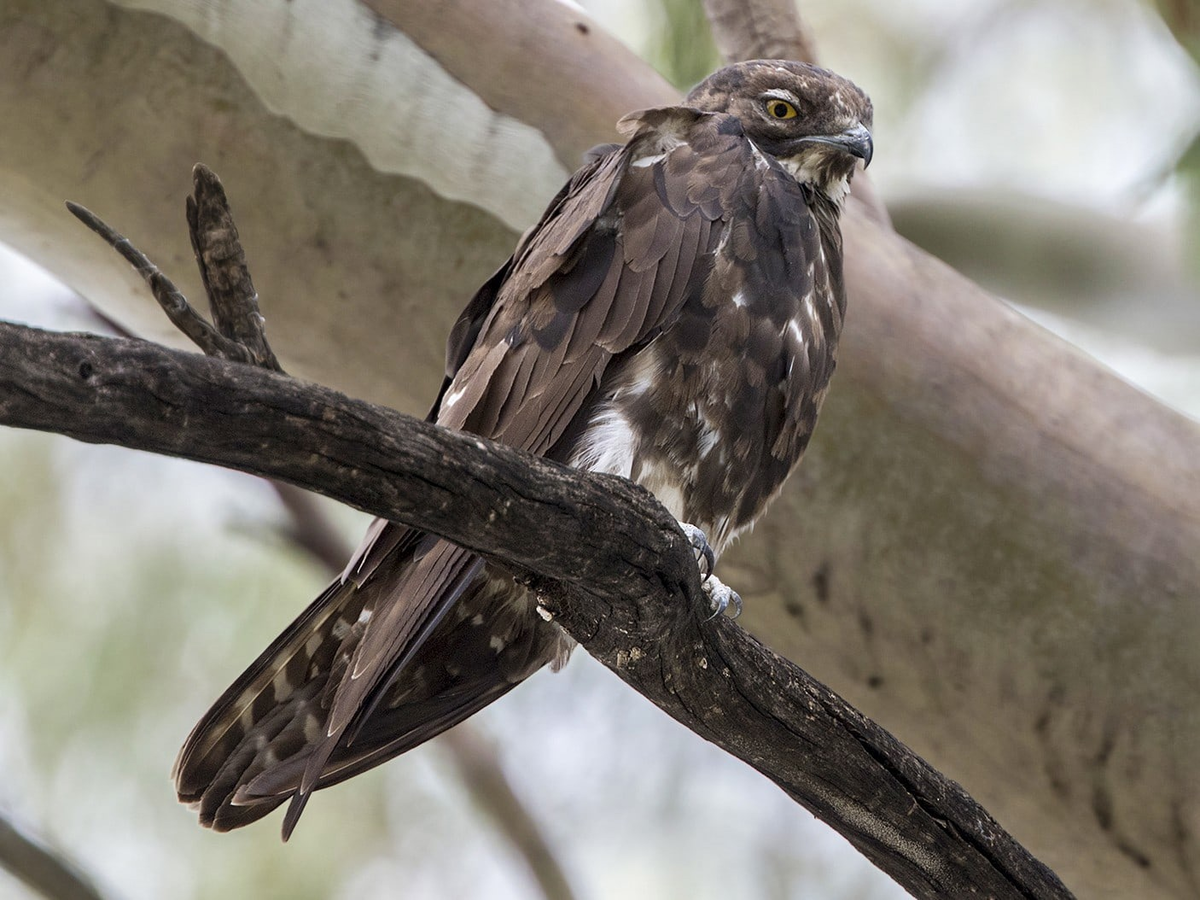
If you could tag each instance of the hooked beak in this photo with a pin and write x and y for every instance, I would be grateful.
(856, 141)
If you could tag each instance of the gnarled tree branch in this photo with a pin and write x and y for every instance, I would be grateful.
(608, 561)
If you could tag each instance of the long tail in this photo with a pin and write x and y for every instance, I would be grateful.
(416, 639)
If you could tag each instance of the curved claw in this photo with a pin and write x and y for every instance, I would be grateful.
(721, 597)
(702, 549)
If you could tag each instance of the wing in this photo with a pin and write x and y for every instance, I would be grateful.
(606, 271)
(616, 255)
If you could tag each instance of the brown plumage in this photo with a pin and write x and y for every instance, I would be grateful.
(672, 318)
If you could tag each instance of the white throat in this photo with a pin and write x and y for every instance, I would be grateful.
(809, 171)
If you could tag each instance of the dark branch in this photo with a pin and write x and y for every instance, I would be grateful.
(238, 334)
(40, 868)
(609, 562)
(181, 313)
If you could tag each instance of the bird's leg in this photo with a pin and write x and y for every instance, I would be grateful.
(705, 558)
(720, 596)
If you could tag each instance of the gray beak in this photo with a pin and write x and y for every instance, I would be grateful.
(856, 141)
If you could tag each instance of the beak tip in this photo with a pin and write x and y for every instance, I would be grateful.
(860, 144)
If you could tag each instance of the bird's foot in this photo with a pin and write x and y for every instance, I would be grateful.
(720, 596)
(705, 558)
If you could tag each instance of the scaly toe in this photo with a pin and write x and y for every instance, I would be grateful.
(721, 597)
(704, 553)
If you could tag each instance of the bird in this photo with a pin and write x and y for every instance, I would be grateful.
(672, 318)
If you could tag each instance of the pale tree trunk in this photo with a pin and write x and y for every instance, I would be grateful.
(993, 546)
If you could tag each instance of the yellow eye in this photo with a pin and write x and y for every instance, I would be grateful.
(781, 109)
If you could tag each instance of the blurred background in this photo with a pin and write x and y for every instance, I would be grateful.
(1046, 149)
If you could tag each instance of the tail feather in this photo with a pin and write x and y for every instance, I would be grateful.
(306, 647)
(463, 642)
(278, 737)
(401, 621)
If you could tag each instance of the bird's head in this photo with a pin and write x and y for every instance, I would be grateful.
(817, 124)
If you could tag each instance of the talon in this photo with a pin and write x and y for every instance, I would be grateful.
(721, 597)
(702, 549)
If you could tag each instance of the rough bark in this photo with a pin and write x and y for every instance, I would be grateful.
(991, 547)
(609, 563)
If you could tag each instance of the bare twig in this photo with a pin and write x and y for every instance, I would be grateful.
(231, 295)
(41, 869)
(181, 313)
(238, 334)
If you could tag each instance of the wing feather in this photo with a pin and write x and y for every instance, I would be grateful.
(615, 294)
(689, 274)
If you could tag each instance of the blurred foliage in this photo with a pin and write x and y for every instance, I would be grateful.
(680, 44)
(1188, 170)
(1182, 17)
